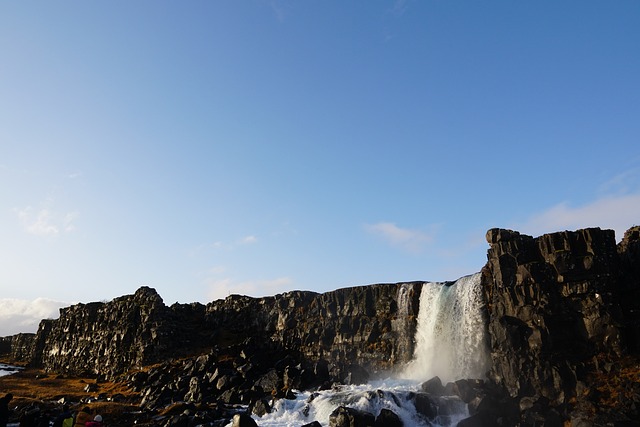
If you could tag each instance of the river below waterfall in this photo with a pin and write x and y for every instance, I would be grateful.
(450, 343)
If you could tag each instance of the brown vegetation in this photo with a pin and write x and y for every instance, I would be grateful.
(33, 386)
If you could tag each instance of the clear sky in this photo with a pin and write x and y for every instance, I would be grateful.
(206, 148)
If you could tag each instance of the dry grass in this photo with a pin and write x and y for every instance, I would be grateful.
(35, 386)
(616, 389)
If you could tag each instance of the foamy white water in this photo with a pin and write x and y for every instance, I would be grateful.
(450, 344)
(391, 394)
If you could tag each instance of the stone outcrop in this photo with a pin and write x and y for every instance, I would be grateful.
(629, 289)
(19, 347)
(372, 326)
(559, 310)
(107, 338)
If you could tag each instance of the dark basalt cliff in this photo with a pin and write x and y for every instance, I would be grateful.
(552, 306)
(352, 325)
(563, 318)
(562, 310)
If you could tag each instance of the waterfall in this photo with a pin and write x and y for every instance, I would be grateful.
(402, 325)
(450, 343)
(451, 340)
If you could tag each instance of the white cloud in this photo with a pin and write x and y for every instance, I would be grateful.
(38, 223)
(222, 288)
(625, 182)
(612, 212)
(405, 238)
(218, 269)
(45, 222)
(68, 221)
(400, 7)
(24, 316)
(221, 245)
(247, 240)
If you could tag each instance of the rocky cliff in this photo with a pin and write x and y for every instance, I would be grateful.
(370, 325)
(562, 309)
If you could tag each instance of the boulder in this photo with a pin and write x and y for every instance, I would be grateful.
(433, 386)
(349, 417)
(388, 418)
(243, 420)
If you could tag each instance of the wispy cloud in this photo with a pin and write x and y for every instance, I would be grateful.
(399, 7)
(405, 238)
(38, 223)
(280, 9)
(18, 315)
(248, 240)
(45, 222)
(626, 182)
(221, 288)
(69, 219)
(221, 245)
(618, 212)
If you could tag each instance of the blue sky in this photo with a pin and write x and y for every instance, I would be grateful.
(256, 147)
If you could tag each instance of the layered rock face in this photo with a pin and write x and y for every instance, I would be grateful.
(109, 338)
(19, 346)
(558, 308)
(369, 325)
(629, 289)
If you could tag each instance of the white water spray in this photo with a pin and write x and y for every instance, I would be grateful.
(450, 343)
(450, 338)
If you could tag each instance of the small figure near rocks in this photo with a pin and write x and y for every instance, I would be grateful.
(4, 409)
(97, 422)
(83, 417)
(65, 419)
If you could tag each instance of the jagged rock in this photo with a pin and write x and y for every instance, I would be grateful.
(388, 418)
(496, 235)
(467, 390)
(424, 405)
(350, 417)
(355, 374)
(550, 305)
(260, 407)
(433, 386)
(91, 388)
(270, 382)
(372, 325)
(243, 420)
(629, 290)
(195, 390)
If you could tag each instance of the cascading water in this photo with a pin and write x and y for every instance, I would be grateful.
(450, 338)
(450, 343)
